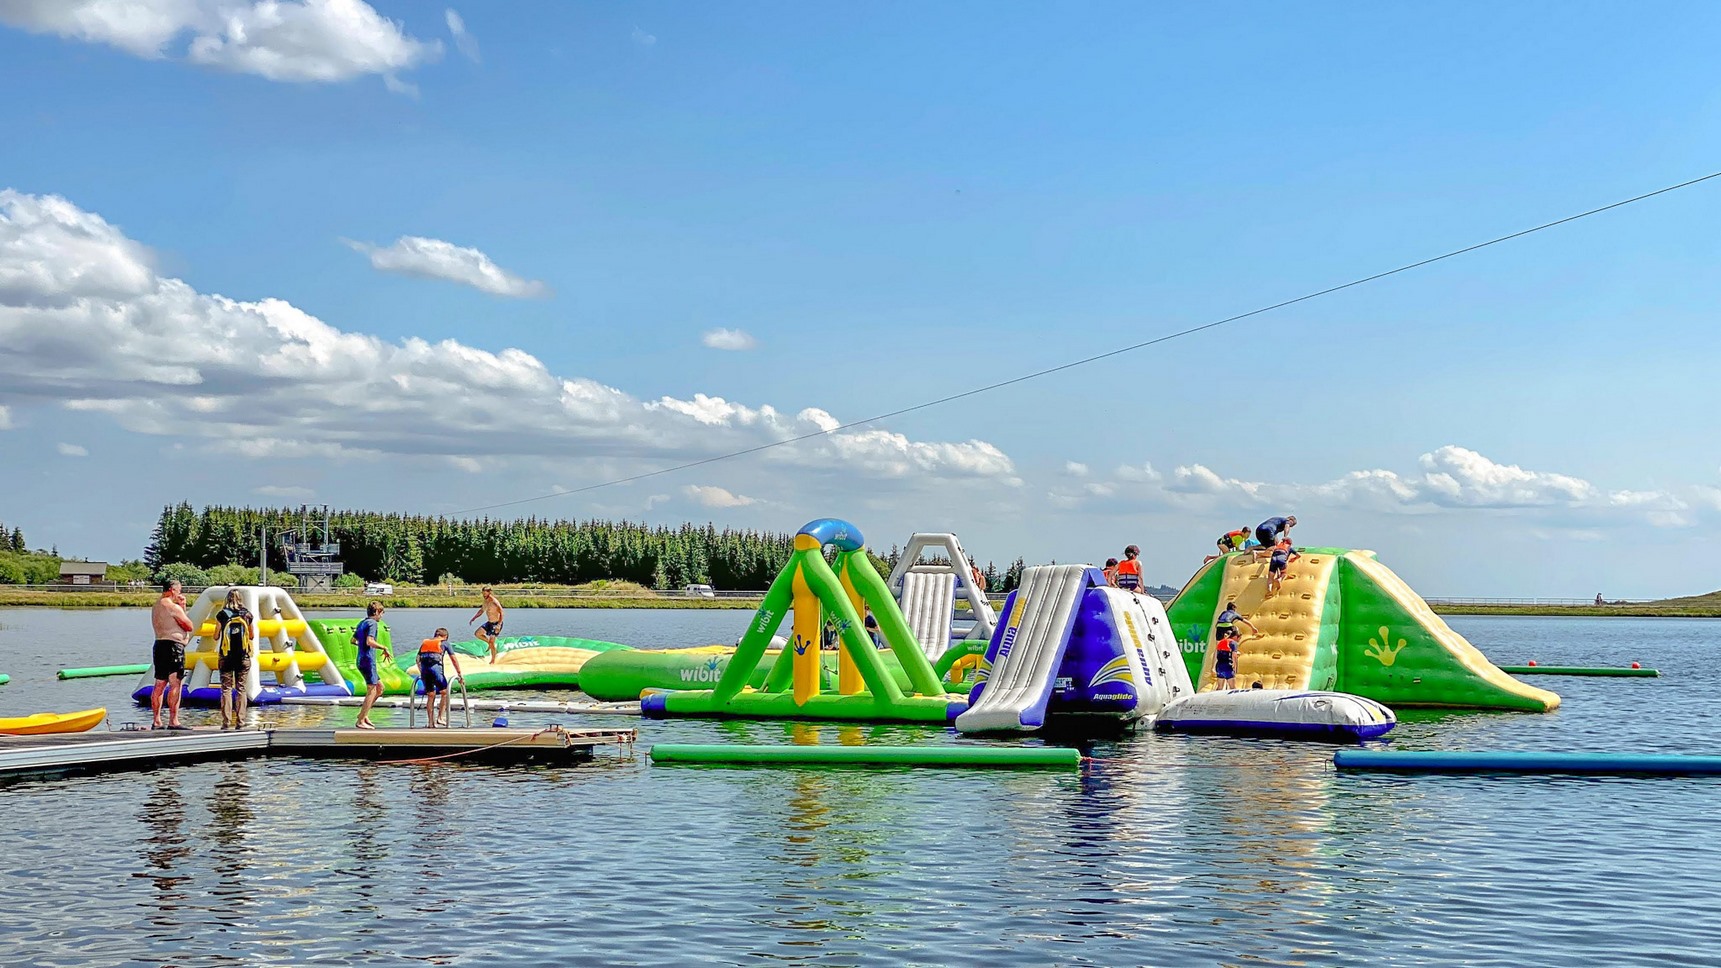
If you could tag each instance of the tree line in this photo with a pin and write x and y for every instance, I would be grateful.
(420, 550)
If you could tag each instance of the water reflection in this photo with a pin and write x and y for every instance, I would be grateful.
(166, 847)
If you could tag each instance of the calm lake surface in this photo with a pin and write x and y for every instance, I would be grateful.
(1164, 851)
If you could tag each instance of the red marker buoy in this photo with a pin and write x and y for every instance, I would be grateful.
(1636, 666)
(1532, 662)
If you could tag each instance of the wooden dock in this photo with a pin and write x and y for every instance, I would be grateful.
(98, 752)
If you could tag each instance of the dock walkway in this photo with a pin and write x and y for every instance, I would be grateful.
(27, 756)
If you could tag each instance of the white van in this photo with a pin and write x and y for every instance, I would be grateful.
(699, 591)
(378, 588)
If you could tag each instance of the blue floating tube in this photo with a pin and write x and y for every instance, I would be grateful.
(1570, 764)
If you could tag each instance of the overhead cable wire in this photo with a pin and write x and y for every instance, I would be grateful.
(1084, 361)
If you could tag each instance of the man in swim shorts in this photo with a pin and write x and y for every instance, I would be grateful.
(430, 653)
(368, 638)
(491, 609)
(1283, 555)
(1271, 531)
(172, 630)
(233, 633)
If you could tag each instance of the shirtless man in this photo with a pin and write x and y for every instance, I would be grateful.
(172, 630)
(491, 630)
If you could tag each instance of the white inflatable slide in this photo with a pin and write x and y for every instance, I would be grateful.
(1037, 631)
(928, 591)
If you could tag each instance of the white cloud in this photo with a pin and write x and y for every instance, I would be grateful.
(711, 496)
(729, 339)
(284, 491)
(1075, 468)
(72, 450)
(88, 323)
(642, 38)
(307, 41)
(5, 418)
(470, 465)
(463, 39)
(413, 255)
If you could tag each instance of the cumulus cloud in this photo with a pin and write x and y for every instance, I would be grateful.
(5, 418)
(1075, 468)
(642, 38)
(463, 39)
(413, 255)
(729, 339)
(303, 41)
(72, 450)
(89, 325)
(1449, 478)
(711, 496)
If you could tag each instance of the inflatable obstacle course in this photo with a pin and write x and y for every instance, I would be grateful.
(1070, 646)
(283, 645)
(522, 661)
(1341, 621)
(927, 593)
(819, 595)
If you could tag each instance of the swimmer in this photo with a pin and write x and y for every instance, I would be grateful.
(430, 653)
(491, 609)
(1283, 555)
(368, 639)
(1129, 570)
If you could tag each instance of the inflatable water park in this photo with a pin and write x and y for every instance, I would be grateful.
(1332, 650)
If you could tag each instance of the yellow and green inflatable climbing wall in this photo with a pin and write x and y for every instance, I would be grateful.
(1343, 621)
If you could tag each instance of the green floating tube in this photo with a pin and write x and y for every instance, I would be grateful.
(1571, 764)
(1580, 671)
(96, 672)
(1029, 756)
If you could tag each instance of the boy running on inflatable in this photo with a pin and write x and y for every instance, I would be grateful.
(491, 609)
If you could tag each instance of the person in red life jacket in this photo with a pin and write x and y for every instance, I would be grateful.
(1225, 659)
(1283, 555)
(430, 655)
(1129, 571)
(1111, 572)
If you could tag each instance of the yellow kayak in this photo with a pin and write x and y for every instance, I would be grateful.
(78, 722)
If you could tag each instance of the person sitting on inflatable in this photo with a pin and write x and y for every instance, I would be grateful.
(1111, 572)
(1129, 571)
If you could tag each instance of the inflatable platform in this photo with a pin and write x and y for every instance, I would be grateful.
(1283, 713)
(1072, 647)
(821, 596)
(1341, 621)
(522, 661)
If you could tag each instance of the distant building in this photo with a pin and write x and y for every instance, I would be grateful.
(82, 572)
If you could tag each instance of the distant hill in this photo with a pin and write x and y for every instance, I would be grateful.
(1711, 600)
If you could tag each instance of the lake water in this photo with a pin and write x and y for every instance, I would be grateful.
(1163, 851)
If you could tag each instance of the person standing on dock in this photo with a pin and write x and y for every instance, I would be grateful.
(172, 631)
(368, 638)
(233, 630)
(491, 609)
(1129, 571)
(430, 653)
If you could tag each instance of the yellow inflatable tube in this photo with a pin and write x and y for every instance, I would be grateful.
(267, 661)
(268, 627)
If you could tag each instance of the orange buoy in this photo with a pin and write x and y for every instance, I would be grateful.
(1532, 662)
(1636, 666)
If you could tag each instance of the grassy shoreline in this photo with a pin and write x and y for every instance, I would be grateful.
(1705, 606)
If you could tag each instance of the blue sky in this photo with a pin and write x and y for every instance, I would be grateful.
(891, 202)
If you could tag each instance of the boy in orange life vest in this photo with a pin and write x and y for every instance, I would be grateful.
(1283, 555)
(430, 653)
(1129, 570)
(1224, 659)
